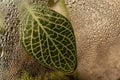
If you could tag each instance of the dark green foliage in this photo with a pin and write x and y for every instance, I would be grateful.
(48, 36)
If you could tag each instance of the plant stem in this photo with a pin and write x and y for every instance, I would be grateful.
(1, 26)
(59, 6)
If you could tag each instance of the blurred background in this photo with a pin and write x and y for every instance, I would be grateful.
(96, 25)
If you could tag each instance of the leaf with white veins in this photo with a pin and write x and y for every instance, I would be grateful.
(48, 36)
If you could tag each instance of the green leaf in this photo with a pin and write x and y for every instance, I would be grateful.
(48, 36)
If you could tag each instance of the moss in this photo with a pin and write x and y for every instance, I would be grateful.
(56, 76)
(74, 76)
(26, 76)
(49, 76)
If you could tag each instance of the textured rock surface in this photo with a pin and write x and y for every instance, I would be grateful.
(97, 27)
(14, 61)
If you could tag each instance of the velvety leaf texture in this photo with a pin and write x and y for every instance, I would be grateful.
(48, 37)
